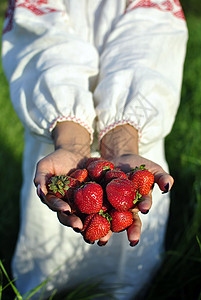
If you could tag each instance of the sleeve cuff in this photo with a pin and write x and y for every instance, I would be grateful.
(119, 123)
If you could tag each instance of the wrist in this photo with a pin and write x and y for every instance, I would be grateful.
(72, 137)
(119, 141)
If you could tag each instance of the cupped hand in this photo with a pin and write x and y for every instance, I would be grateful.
(60, 162)
(72, 148)
(163, 179)
(130, 161)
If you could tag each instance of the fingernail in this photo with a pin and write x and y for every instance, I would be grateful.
(89, 242)
(101, 243)
(40, 193)
(166, 188)
(134, 243)
(78, 230)
(145, 212)
(67, 212)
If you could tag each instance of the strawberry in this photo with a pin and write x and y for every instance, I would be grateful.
(86, 221)
(120, 220)
(115, 173)
(80, 174)
(60, 185)
(88, 198)
(142, 179)
(96, 226)
(90, 159)
(121, 193)
(98, 168)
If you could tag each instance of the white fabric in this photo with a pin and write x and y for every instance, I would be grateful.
(121, 61)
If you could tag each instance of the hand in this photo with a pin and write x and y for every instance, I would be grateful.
(120, 146)
(72, 148)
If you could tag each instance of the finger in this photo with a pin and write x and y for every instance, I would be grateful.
(70, 220)
(164, 180)
(40, 179)
(134, 231)
(145, 204)
(103, 241)
(134, 210)
(54, 203)
(41, 175)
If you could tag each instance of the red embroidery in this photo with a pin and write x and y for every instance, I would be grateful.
(177, 3)
(38, 7)
(34, 6)
(173, 6)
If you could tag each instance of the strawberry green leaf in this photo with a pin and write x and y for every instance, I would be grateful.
(138, 198)
(142, 167)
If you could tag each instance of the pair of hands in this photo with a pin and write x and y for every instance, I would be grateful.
(68, 156)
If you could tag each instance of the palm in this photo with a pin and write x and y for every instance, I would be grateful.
(130, 161)
(59, 162)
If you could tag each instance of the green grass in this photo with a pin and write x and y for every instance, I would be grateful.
(11, 136)
(179, 277)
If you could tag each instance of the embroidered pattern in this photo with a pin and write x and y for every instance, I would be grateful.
(118, 123)
(38, 7)
(172, 6)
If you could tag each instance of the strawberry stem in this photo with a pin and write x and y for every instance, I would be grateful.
(137, 198)
(59, 184)
(142, 167)
(105, 215)
(106, 168)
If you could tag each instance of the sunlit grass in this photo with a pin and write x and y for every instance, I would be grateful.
(88, 290)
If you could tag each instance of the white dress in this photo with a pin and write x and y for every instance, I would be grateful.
(100, 64)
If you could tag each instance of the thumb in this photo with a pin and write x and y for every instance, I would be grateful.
(40, 181)
(41, 176)
(164, 181)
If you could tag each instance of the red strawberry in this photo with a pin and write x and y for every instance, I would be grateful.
(90, 159)
(97, 169)
(86, 221)
(142, 179)
(60, 185)
(121, 193)
(79, 174)
(120, 220)
(74, 183)
(88, 198)
(115, 173)
(95, 227)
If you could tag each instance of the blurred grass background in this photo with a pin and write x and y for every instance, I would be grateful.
(179, 277)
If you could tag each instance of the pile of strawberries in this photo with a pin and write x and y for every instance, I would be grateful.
(102, 195)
